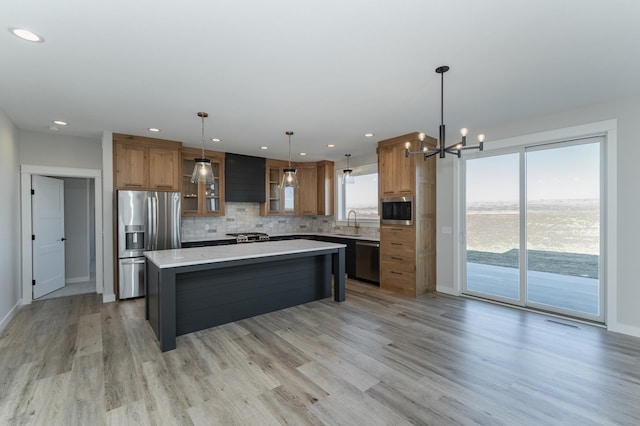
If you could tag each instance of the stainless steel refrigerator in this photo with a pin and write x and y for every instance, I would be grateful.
(147, 220)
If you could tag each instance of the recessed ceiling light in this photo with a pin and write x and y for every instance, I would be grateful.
(368, 135)
(60, 122)
(264, 147)
(26, 35)
(303, 153)
(331, 145)
(216, 140)
(153, 129)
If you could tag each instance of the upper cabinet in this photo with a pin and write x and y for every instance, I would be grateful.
(131, 166)
(275, 196)
(398, 177)
(146, 163)
(306, 194)
(324, 189)
(200, 199)
(314, 195)
(164, 169)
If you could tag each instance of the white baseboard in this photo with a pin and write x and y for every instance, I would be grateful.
(106, 298)
(447, 290)
(12, 313)
(624, 329)
(77, 280)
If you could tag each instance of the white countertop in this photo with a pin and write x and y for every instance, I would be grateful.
(328, 234)
(325, 234)
(203, 255)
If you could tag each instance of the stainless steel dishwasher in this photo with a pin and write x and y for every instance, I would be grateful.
(368, 261)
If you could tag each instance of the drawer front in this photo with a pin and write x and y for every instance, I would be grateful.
(403, 250)
(396, 264)
(398, 233)
(402, 282)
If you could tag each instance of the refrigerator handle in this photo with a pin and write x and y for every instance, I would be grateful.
(152, 222)
(176, 214)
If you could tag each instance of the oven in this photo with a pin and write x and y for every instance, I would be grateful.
(396, 211)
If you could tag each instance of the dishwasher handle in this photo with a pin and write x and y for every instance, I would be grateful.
(368, 244)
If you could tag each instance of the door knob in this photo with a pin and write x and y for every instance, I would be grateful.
(62, 239)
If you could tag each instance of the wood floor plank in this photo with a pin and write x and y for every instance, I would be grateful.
(378, 358)
(89, 339)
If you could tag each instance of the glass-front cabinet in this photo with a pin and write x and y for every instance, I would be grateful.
(279, 200)
(199, 199)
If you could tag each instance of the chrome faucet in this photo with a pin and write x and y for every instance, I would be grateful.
(355, 220)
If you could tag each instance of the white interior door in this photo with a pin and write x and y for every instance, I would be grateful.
(47, 215)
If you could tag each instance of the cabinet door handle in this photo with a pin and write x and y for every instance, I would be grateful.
(397, 229)
(164, 186)
(388, 192)
(397, 273)
(405, 190)
(397, 244)
(132, 184)
(396, 258)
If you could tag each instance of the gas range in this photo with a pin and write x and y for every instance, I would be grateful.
(249, 237)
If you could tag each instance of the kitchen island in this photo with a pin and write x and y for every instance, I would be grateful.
(196, 288)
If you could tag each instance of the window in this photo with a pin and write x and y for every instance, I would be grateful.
(359, 193)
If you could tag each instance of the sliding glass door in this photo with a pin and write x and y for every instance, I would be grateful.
(533, 227)
(493, 226)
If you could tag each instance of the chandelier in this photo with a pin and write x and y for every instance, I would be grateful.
(443, 149)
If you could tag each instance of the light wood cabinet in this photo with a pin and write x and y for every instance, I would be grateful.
(314, 195)
(325, 189)
(407, 253)
(275, 204)
(132, 166)
(146, 163)
(200, 199)
(399, 176)
(164, 169)
(306, 193)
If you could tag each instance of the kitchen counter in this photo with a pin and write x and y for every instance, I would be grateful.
(295, 234)
(196, 288)
(215, 254)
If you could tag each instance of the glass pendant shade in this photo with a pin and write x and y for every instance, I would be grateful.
(289, 174)
(289, 178)
(346, 173)
(202, 172)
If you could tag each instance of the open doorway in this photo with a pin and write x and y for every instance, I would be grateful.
(83, 217)
(79, 236)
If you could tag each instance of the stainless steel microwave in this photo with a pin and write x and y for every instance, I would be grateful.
(396, 211)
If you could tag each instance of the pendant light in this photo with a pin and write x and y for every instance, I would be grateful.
(443, 149)
(289, 177)
(347, 172)
(202, 172)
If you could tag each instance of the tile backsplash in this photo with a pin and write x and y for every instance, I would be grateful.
(245, 217)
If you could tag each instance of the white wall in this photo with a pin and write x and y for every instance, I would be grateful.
(76, 229)
(627, 112)
(9, 221)
(59, 150)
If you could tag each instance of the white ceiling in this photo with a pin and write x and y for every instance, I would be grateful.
(329, 70)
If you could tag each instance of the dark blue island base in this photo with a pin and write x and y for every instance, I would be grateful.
(184, 299)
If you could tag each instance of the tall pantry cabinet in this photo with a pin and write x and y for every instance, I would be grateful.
(408, 252)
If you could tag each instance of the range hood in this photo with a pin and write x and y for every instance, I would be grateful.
(244, 178)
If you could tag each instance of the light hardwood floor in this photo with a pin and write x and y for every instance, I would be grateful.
(375, 359)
